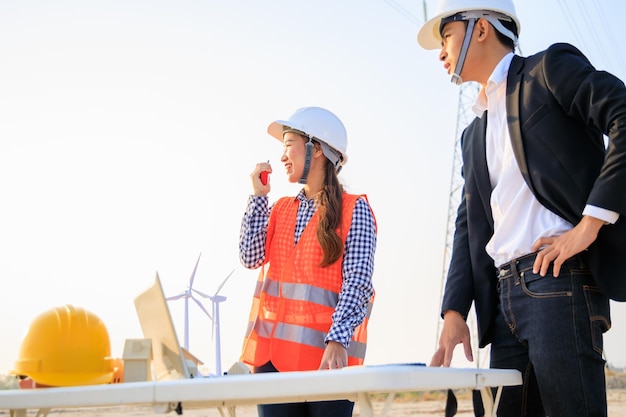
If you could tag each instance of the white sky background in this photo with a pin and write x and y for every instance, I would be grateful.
(128, 130)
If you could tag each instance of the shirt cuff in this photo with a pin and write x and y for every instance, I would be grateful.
(257, 203)
(339, 335)
(607, 216)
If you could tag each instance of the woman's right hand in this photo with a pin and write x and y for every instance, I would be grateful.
(259, 188)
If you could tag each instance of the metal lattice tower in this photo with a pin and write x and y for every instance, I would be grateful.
(467, 96)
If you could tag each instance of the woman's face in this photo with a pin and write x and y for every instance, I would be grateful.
(294, 151)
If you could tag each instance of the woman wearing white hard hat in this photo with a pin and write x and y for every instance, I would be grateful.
(315, 252)
(538, 246)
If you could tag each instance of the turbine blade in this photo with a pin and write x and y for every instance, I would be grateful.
(177, 297)
(202, 307)
(201, 293)
(193, 274)
(223, 282)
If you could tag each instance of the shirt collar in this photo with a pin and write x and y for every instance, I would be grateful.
(501, 70)
(497, 77)
(302, 197)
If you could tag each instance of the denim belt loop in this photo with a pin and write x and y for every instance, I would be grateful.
(516, 265)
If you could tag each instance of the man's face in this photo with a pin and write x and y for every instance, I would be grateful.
(451, 41)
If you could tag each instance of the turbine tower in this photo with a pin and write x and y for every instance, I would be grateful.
(186, 295)
(216, 299)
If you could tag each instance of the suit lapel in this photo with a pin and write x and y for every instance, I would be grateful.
(477, 133)
(513, 85)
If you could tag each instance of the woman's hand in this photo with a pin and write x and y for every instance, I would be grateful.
(335, 356)
(261, 172)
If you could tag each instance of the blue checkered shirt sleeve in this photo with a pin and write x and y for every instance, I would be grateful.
(358, 267)
(253, 232)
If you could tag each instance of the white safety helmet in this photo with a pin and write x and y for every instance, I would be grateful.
(429, 36)
(493, 11)
(318, 124)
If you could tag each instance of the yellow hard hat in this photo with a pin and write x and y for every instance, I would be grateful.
(66, 346)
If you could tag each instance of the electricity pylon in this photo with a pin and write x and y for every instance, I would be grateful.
(467, 96)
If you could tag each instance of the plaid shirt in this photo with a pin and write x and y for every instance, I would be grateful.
(358, 258)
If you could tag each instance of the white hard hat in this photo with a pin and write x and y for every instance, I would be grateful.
(319, 124)
(429, 36)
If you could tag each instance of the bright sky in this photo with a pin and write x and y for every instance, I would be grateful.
(128, 131)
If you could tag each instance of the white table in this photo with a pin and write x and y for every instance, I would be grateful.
(225, 392)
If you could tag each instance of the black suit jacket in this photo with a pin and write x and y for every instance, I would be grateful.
(558, 109)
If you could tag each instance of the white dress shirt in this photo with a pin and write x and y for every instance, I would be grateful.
(519, 219)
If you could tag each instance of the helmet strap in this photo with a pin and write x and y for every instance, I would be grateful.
(307, 160)
(456, 76)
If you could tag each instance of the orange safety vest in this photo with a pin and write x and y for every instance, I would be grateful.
(295, 298)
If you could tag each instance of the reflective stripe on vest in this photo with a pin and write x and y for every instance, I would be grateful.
(302, 292)
(304, 335)
(313, 338)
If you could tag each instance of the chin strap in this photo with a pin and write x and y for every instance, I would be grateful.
(307, 160)
(472, 17)
(456, 76)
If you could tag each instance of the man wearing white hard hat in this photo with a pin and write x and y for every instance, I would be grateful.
(540, 232)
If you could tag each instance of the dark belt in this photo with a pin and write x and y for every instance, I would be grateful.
(518, 264)
(524, 263)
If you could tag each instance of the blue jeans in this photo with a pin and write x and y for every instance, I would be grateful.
(551, 330)
(338, 408)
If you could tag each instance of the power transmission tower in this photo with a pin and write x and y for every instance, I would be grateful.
(467, 96)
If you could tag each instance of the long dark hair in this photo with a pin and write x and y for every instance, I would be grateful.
(329, 211)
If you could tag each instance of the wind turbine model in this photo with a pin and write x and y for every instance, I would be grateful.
(187, 294)
(215, 301)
